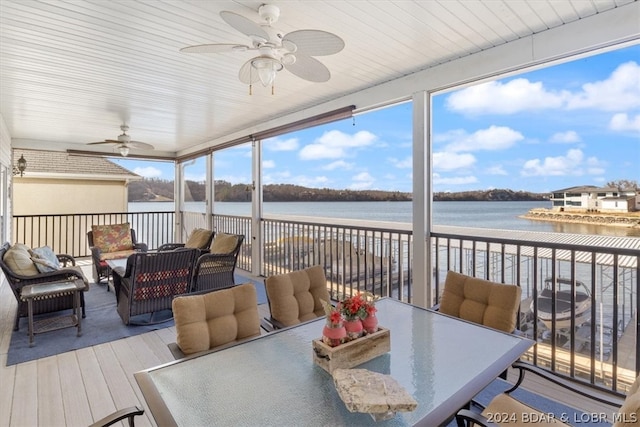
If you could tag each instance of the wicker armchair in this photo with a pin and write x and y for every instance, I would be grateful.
(100, 256)
(214, 271)
(16, 280)
(150, 282)
(200, 238)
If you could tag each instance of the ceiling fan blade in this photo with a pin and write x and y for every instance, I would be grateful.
(244, 25)
(247, 75)
(106, 141)
(313, 42)
(310, 69)
(139, 145)
(215, 48)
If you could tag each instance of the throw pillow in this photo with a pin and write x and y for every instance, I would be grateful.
(112, 238)
(19, 261)
(45, 259)
(198, 238)
(223, 243)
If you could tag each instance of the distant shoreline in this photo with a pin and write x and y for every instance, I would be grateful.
(627, 219)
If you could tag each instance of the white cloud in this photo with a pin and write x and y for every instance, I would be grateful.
(567, 137)
(275, 144)
(619, 92)
(491, 139)
(268, 164)
(148, 172)
(362, 181)
(235, 179)
(335, 144)
(622, 122)
(459, 180)
(504, 98)
(496, 170)
(571, 164)
(450, 161)
(338, 164)
(405, 163)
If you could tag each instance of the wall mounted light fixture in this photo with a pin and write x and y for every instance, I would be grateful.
(22, 166)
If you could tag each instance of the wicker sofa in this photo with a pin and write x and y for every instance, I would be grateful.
(19, 270)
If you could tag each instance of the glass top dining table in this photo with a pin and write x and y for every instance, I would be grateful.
(443, 362)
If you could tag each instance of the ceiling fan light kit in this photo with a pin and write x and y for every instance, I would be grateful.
(294, 51)
(123, 144)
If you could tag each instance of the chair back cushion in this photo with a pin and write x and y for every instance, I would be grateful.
(295, 297)
(206, 321)
(199, 239)
(629, 412)
(18, 259)
(481, 301)
(112, 237)
(223, 243)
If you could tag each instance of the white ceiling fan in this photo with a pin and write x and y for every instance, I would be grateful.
(276, 51)
(124, 143)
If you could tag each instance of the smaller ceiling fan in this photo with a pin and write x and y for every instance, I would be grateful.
(124, 143)
(294, 51)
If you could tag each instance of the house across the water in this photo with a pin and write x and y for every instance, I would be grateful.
(595, 199)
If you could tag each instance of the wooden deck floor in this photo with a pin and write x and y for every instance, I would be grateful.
(79, 387)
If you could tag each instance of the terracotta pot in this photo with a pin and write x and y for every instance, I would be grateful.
(354, 328)
(370, 323)
(334, 335)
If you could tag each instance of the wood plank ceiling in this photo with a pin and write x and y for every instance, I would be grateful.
(71, 72)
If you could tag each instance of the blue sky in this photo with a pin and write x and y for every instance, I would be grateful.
(572, 124)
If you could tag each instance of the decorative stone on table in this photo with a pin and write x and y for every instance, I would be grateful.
(370, 392)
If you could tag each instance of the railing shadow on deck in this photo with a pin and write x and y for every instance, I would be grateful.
(599, 346)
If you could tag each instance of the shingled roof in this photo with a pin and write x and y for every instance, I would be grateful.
(60, 163)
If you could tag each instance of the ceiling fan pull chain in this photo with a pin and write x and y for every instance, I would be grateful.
(273, 89)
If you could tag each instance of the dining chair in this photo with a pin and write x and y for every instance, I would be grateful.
(214, 320)
(481, 301)
(506, 410)
(295, 297)
(122, 414)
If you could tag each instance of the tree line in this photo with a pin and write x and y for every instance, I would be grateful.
(162, 190)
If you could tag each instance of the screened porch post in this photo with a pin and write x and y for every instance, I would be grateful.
(422, 194)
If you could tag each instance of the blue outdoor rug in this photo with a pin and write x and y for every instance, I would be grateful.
(102, 324)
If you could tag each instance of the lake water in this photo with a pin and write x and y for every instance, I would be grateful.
(497, 215)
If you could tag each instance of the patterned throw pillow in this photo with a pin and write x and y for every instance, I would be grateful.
(112, 238)
(45, 259)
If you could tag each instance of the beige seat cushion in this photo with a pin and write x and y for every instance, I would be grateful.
(112, 237)
(18, 259)
(295, 297)
(216, 318)
(504, 410)
(223, 243)
(481, 301)
(198, 239)
(104, 256)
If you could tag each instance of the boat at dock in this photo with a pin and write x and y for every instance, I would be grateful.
(564, 298)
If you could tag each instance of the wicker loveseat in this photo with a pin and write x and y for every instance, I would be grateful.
(150, 281)
(19, 269)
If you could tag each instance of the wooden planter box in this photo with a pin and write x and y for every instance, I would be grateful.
(353, 353)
